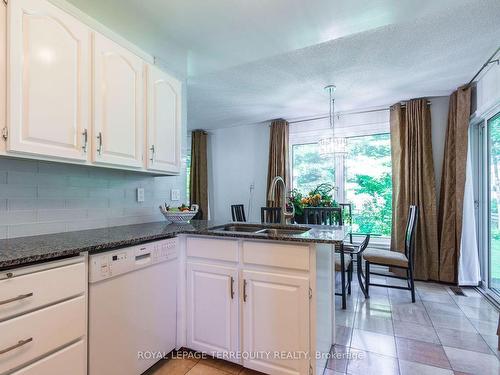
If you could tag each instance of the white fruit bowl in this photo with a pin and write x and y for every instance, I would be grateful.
(178, 216)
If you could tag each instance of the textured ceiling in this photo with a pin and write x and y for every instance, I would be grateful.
(249, 61)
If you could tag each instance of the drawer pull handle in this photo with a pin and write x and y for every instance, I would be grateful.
(244, 290)
(18, 298)
(232, 287)
(18, 345)
(99, 147)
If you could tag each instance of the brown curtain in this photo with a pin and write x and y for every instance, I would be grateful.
(198, 181)
(278, 158)
(451, 198)
(414, 183)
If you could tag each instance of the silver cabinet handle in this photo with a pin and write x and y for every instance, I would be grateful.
(99, 147)
(232, 287)
(15, 346)
(152, 152)
(18, 298)
(85, 140)
(244, 290)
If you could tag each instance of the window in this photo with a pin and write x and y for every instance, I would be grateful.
(368, 183)
(485, 144)
(493, 133)
(309, 169)
(368, 179)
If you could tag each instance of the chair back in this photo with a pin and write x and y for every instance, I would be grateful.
(323, 215)
(363, 245)
(238, 212)
(411, 226)
(347, 208)
(270, 215)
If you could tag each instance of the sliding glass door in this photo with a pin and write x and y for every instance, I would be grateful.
(492, 253)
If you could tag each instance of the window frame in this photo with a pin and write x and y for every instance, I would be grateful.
(479, 133)
(380, 241)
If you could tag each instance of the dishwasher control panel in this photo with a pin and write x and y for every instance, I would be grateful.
(120, 261)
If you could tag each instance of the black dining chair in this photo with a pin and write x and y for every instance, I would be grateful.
(395, 259)
(270, 215)
(345, 265)
(238, 212)
(323, 215)
(347, 214)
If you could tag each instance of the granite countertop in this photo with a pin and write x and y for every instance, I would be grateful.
(25, 250)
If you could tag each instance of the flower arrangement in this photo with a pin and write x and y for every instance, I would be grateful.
(320, 196)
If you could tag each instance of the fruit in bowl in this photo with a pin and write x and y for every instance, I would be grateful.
(181, 214)
(181, 208)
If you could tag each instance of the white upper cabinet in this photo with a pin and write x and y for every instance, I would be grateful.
(49, 81)
(118, 105)
(75, 96)
(163, 121)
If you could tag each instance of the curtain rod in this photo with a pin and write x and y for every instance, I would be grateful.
(345, 114)
(488, 62)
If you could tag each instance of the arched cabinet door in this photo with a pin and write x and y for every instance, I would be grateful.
(164, 122)
(49, 81)
(118, 105)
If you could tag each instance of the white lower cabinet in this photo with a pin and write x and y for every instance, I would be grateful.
(70, 360)
(43, 318)
(248, 306)
(212, 305)
(276, 319)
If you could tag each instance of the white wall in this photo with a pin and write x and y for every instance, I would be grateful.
(237, 160)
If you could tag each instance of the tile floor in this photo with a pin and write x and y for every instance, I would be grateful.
(440, 334)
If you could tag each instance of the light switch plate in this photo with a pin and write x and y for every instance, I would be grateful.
(140, 194)
(175, 194)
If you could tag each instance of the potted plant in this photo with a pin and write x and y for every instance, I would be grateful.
(320, 196)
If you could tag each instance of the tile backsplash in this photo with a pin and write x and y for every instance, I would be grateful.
(38, 197)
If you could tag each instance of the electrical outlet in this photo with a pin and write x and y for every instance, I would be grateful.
(140, 194)
(175, 194)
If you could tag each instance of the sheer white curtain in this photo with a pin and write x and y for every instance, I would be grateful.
(468, 263)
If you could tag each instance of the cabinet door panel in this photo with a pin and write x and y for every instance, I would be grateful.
(164, 121)
(212, 310)
(276, 319)
(49, 81)
(118, 101)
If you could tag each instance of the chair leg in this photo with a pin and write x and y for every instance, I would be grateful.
(350, 270)
(367, 278)
(342, 277)
(412, 285)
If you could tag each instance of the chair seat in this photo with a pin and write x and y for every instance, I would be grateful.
(338, 264)
(386, 257)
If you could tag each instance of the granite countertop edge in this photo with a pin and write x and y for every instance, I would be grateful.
(24, 251)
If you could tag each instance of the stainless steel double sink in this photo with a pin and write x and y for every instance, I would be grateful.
(261, 229)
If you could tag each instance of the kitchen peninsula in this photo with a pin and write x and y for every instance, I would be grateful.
(252, 294)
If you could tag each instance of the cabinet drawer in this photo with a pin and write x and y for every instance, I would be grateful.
(70, 360)
(43, 331)
(31, 291)
(276, 255)
(209, 248)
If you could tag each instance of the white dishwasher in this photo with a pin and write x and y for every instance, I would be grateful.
(132, 307)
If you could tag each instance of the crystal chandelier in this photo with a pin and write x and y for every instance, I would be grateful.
(332, 146)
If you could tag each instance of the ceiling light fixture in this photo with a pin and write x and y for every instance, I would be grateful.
(332, 146)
